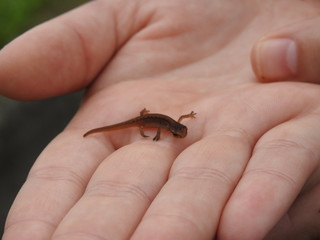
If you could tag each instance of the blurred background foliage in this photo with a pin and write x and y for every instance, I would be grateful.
(27, 127)
(16, 16)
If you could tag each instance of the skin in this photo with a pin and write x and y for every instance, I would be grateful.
(249, 167)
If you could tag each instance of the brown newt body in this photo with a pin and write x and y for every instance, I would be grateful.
(150, 120)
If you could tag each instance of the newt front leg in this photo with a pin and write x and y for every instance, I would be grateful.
(142, 132)
(190, 115)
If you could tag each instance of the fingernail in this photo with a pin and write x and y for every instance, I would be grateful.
(277, 58)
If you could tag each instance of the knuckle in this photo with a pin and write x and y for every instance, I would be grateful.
(113, 189)
(83, 234)
(180, 220)
(273, 173)
(202, 174)
(280, 143)
(284, 146)
(53, 173)
(236, 133)
(232, 135)
(13, 224)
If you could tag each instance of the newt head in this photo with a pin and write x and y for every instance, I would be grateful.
(179, 131)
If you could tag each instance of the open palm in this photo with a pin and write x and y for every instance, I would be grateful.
(248, 165)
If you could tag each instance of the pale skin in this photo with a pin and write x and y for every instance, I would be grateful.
(249, 166)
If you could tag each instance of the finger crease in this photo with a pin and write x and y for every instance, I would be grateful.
(181, 219)
(31, 221)
(58, 174)
(274, 173)
(202, 174)
(282, 144)
(117, 189)
(82, 235)
(84, 48)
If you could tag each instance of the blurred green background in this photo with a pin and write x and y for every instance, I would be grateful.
(17, 16)
(27, 127)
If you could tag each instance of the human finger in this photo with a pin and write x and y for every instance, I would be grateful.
(302, 219)
(55, 183)
(65, 54)
(282, 162)
(119, 192)
(201, 179)
(291, 53)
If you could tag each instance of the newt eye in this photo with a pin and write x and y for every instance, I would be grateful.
(176, 135)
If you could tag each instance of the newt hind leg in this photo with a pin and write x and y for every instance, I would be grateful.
(157, 136)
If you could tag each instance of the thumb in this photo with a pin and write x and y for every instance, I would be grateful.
(292, 54)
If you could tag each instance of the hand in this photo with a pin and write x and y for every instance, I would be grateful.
(250, 157)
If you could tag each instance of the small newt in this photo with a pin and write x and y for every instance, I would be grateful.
(152, 120)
